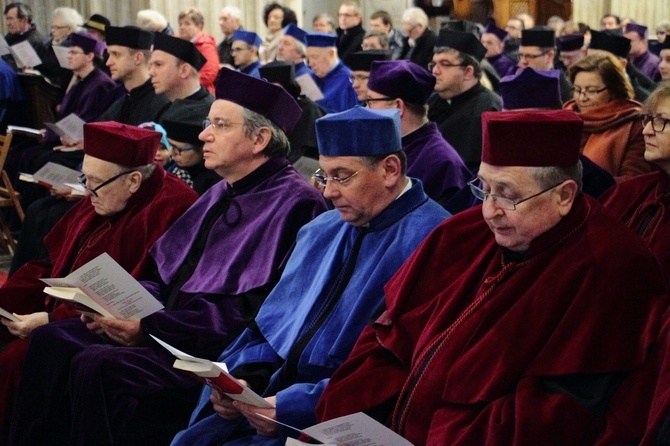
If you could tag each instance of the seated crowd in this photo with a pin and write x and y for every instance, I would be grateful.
(283, 197)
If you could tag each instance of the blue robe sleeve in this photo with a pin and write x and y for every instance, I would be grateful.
(295, 404)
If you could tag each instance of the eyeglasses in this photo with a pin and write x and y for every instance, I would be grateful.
(443, 64)
(367, 102)
(589, 93)
(94, 191)
(219, 124)
(346, 15)
(182, 150)
(358, 77)
(522, 56)
(657, 122)
(502, 202)
(322, 179)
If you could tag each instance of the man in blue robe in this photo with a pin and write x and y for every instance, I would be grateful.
(107, 382)
(332, 286)
(245, 52)
(406, 86)
(330, 74)
(292, 48)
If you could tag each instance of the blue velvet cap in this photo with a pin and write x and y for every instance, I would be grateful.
(499, 32)
(248, 37)
(401, 79)
(295, 32)
(531, 89)
(260, 96)
(359, 131)
(641, 30)
(321, 40)
(87, 44)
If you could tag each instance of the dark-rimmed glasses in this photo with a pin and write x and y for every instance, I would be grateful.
(321, 178)
(94, 190)
(503, 202)
(657, 122)
(522, 56)
(368, 101)
(589, 93)
(183, 149)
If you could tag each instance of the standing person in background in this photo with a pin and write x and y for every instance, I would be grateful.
(275, 17)
(323, 23)
(191, 23)
(382, 21)
(419, 40)
(230, 21)
(154, 21)
(20, 27)
(350, 32)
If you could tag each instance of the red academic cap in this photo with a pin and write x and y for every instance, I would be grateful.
(531, 138)
(121, 144)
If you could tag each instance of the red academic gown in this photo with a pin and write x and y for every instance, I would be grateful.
(80, 236)
(474, 349)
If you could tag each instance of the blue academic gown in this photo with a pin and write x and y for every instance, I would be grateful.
(302, 68)
(322, 250)
(245, 250)
(338, 93)
(252, 69)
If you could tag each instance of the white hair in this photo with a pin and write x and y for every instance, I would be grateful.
(69, 16)
(233, 11)
(151, 20)
(415, 16)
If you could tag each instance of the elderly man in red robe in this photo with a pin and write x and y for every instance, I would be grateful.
(131, 202)
(515, 321)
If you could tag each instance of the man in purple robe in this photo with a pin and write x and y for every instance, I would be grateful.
(639, 51)
(406, 86)
(492, 39)
(107, 382)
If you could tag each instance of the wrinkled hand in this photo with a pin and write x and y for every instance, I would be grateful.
(264, 427)
(66, 193)
(123, 332)
(92, 325)
(28, 323)
(223, 405)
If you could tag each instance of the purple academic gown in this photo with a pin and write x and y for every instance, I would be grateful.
(435, 162)
(97, 392)
(503, 65)
(648, 64)
(338, 93)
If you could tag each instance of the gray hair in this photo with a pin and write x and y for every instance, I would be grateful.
(151, 20)
(146, 171)
(233, 11)
(550, 176)
(278, 145)
(70, 17)
(415, 16)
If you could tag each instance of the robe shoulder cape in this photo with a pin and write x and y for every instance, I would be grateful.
(477, 339)
(338, 94)
(321, 251)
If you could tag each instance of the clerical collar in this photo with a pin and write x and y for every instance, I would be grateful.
(407, 187)
(264, 171)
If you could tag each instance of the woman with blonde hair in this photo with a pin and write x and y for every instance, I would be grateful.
(602, 96)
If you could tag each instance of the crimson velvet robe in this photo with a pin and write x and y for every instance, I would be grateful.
(479, 349)
(80, 236)
(97, 392)
(643, 204)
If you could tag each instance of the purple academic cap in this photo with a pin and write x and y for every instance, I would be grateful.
(531, 89)
(641, 30)
(259, 96)
(248, 37)
(401, 79)
(493, 29)
(359, 131)
(87, 44)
